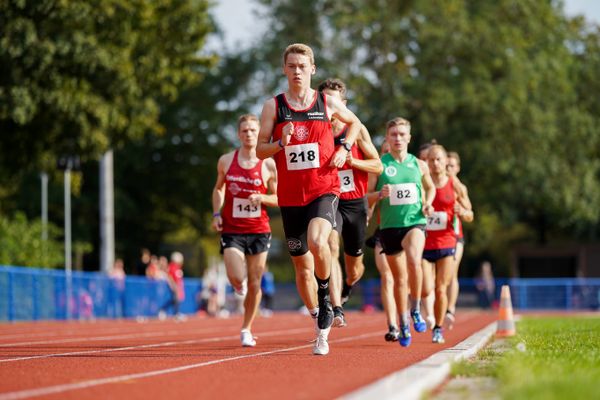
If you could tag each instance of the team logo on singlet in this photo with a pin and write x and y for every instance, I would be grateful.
(234, 188)
(294, 244)
(301, 133)
(391, 171)
(257, 182)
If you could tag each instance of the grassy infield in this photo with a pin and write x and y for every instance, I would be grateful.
(549, 358)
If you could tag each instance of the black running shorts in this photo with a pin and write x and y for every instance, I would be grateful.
(296, 220)
(351, 220)
(391, 238)
(250, 244)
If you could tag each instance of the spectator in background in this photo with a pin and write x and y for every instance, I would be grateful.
(486, 285)
(175, 281)
(153, 270)
(117, 277)
(163, 268)
(267, 285)
(142, 263)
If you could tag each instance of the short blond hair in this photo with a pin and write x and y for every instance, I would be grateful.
(398, 121)
(299, 48)
(246, 118)
(453, 154)
(439, 147)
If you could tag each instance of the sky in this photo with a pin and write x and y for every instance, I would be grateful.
(237, 19)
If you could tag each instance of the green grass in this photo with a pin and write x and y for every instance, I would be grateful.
(550, 358)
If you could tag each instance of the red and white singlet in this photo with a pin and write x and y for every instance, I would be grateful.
(303, 170)
(238, 214)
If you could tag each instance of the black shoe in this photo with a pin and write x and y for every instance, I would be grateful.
(339, 321)
(346, 291)
(325, 317)
(392, 334)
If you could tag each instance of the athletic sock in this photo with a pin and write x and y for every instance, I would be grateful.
(346, 289)
(314, 312)
(415, 304)
(404, 319)
(323, 285)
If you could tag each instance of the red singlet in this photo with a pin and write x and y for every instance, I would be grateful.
(238, 214)
(440, 229)
(353, 181)
(303, 167)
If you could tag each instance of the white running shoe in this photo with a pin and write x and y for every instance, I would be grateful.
(430, 322)
(247, 338)
(243, 290)
(321, 346)
(449, 320)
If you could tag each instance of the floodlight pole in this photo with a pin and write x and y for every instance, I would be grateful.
(68, 266)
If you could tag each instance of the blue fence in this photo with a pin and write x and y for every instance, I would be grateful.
(41, 294)
(526, 294)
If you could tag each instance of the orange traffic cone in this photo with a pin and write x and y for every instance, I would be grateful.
(506, 324)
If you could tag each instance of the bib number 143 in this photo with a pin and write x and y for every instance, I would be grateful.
(242, 208)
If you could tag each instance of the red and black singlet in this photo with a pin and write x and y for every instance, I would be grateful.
(303, 167)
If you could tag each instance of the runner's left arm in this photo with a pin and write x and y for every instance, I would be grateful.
(428, 187)
(270, 177)
(372, 162)
(338, 109)
(463, 205)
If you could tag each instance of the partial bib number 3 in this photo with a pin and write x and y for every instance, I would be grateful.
(302, 156)
(243, 208)
(346, 180)
(403, 193)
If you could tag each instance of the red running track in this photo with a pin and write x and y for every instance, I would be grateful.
(202, 358)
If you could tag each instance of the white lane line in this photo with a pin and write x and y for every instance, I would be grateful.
(162, 344)
(103, 328)
(412, 382)
(153, 345)
(191, 325)
(112, 337)
(23, 394)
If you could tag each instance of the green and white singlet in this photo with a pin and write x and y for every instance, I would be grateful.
(404, 207)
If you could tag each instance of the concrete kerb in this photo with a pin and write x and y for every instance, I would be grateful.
(414, 381)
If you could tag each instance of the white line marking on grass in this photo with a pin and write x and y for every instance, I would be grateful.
(116, 379)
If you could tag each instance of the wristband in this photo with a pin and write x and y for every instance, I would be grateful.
(380, 195)
(216, 214)
(279, 143)
(347, 146)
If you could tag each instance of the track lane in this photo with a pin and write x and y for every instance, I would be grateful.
(280, 366)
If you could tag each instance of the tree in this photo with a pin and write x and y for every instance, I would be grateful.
(83, 76)
(21, 243)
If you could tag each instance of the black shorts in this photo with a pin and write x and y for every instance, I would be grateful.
(374, 239)
(391, 238)
(437, 254)
(296, 220)
(250, 244)
(351, 220)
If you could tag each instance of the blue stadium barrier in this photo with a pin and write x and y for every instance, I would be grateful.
(28, 294)
(526, 294)
(41, 294)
